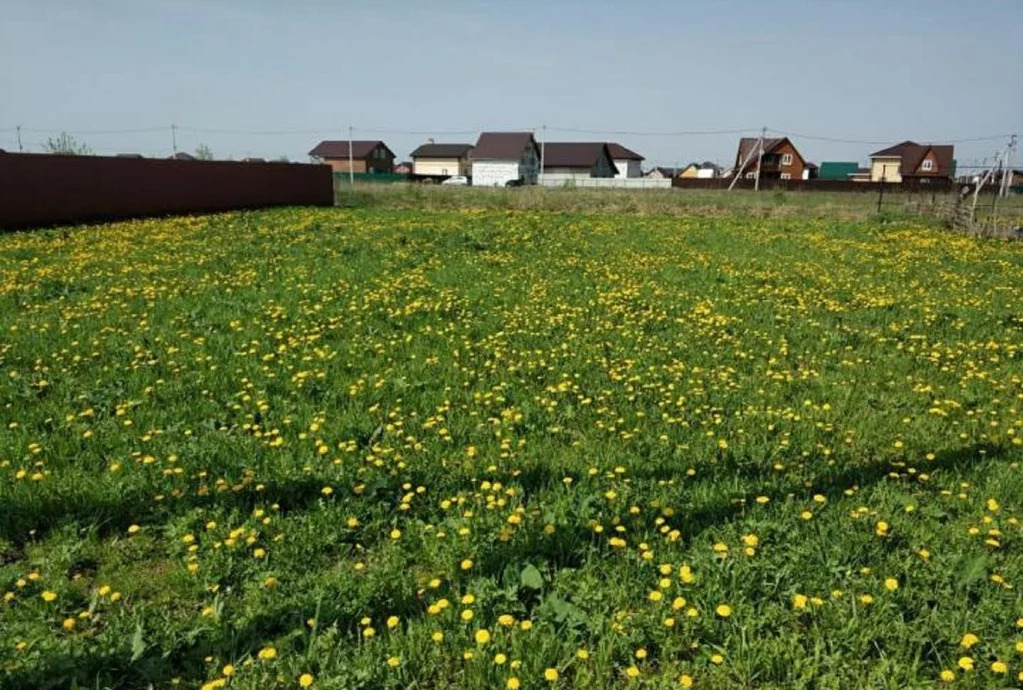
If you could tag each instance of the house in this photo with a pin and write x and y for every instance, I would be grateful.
(708, 170)
(690, 172)
(661, 173)
(627, 162)
(837, 170)
(811, 171)
(440, 161)
(502, 157)
(564, 162)
(779, 159)
(403, 168)
(910, 160)
(699, 171)
(365, 156)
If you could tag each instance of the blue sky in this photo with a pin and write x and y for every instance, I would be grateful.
(858, 70)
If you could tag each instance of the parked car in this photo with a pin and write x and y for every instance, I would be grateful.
(460, 180)
(515, 183)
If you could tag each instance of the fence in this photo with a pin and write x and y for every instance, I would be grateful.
(817, 185)
(982, 215)
(608, 182)
(39, 190)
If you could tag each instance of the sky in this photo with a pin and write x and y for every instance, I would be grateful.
(269, 78)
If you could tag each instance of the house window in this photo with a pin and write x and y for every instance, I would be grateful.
(750, 176)
(786, 176)
(786, 159)
(928, 165)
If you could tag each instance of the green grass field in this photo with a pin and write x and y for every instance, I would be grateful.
(485, 448)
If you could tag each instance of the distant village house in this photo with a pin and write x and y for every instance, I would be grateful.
(365, 156)
(500, 158)
(628, 163)
(564, 162)
(778, 160)
(440, 161)
(912, 161)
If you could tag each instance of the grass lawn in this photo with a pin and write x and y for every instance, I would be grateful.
(467, 447)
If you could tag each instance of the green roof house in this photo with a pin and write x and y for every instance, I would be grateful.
(837, 170)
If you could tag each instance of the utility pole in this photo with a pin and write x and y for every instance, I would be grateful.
(543, 146)
(351, 171)
(1007, 169)
(174, 137)
(736, 174)
(760, 159)
(20, 149)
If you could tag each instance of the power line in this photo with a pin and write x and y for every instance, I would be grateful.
(993, 137)
(688, 133)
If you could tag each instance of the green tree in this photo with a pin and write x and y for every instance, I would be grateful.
(66, 145)
(203, 152)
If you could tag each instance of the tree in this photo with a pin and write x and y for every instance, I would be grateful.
(282, 159)
(203, 152)
(66, 145)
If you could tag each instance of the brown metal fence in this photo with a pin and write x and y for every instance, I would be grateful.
(39, 190)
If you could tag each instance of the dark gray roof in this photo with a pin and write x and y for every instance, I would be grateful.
(619, 152)
(442, 151)
(573, 154)
(502, 145)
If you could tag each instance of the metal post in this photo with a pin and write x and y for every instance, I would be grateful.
(20, 149)
(174, 137)
(351, 170)
(880, 194)
(760, 160)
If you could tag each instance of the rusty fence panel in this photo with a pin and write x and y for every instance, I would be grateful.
(39, 190)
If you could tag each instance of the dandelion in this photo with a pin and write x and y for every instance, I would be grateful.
(228, 671)
(267, 653)
(68, 624)
(799, 602)
(947, 676)
(641, 654)
(466, 564)
(392, 622)
(582, 654)
(499, 659)
(393, 661)
(550, 674)
(717, 659)
(305, 680)
(723, 610)
(965, 663)
(891, 584)
(969, 639)
(437, 636)
(512, 683)
(482, 636)
(48, 596)
(632, 671)
(395, 534)
(999, 667)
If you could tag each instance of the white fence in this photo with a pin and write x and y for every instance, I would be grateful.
(609, 182)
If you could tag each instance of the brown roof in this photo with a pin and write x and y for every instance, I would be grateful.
(748, 144)
(912, 154)
(503, 145)
(573, 154)
(339, 149)
(619, 152)
(442, 151)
